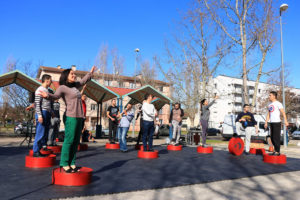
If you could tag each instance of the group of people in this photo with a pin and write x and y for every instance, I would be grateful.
(47, 118)
(74, 115)
(246, 125)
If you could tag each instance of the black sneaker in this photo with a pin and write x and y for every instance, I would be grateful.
(246, 153)
(46, 149)
(38, 154)
(151, 150)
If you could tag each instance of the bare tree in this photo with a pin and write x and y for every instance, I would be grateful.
(194, 59)
(118, 66)
(15, 98)
(101, 60)
(234, 18)
(147, 73)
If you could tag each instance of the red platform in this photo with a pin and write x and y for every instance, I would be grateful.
(148, 154)
(201, 149)
(41, 151)
(236, 146)
(55, 149)
(174, 148)
(259, 151)
(82, 147)
(40, 162)
(112, 146)
(82, 177)
(274, 159)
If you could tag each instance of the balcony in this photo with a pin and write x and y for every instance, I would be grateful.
(238, 99)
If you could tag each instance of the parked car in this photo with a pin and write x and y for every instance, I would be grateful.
(229, 128)
(213, 131)
(296, 134)
(22, 129)
(164, 130)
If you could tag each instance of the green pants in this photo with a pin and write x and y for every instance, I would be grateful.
(73, 128)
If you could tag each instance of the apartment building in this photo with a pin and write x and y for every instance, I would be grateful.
(119, 84)
(230, 92)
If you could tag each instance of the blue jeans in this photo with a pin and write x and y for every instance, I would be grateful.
(171, 132)
(41, 133)
(148, 130)
(122, 132)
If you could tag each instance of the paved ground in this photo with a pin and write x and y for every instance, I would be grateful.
(272, 186)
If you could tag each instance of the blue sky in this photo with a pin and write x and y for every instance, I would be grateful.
(64, 33)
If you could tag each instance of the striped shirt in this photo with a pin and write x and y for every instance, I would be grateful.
(41, 103)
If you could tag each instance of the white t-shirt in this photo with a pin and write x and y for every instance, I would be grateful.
(274, 111)
(148, 112)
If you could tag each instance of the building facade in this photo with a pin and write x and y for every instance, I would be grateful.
(230, 92)
(121, 84)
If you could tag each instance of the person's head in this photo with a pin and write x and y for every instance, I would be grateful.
(67, 77)
(204, 102)
(113, 102)
(177, 105)
(148, 97)
(46, 80)
(273, 96)
(128, 107)
(83, 97)
(246, 107)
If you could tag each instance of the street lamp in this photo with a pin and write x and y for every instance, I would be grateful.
(283, 8)
(137, 50)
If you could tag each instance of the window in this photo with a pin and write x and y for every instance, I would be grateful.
(161, 88)
(107, 82)
(93, 106)
(131, 85)
(160, 111)
(215, 85)
(121, 84)
(258, 90)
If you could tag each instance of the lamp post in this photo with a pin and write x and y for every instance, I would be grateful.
(283, 8)
(137, 50)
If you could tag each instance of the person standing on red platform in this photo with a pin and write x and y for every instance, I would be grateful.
(68, 90)
(273, 117)
(113, 115)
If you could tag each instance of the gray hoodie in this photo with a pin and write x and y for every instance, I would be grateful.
(205, 113)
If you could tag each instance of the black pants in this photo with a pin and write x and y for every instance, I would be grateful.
(113, 127)
(140, 133)
(275, 135)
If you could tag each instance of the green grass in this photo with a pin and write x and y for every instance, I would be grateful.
(215, 141)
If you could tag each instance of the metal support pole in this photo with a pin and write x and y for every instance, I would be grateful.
(283, 84)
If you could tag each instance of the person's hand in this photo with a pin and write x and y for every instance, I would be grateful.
(216, 97)
(28, 108)
(286, 124)
(40, 119)
(266, 125)
(256, 131)
(112, 119)
(93, 69)
(43, 94)
(242, 120)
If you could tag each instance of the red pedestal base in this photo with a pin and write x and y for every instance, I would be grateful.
(40, 162)
(55, 149)
(174, 148)
(148, 154)
(82, 147)
(42, 152)
(112, 146)
(236, 146)
(201, 149)
(82, 177)
(274, 159)
(257, 151)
